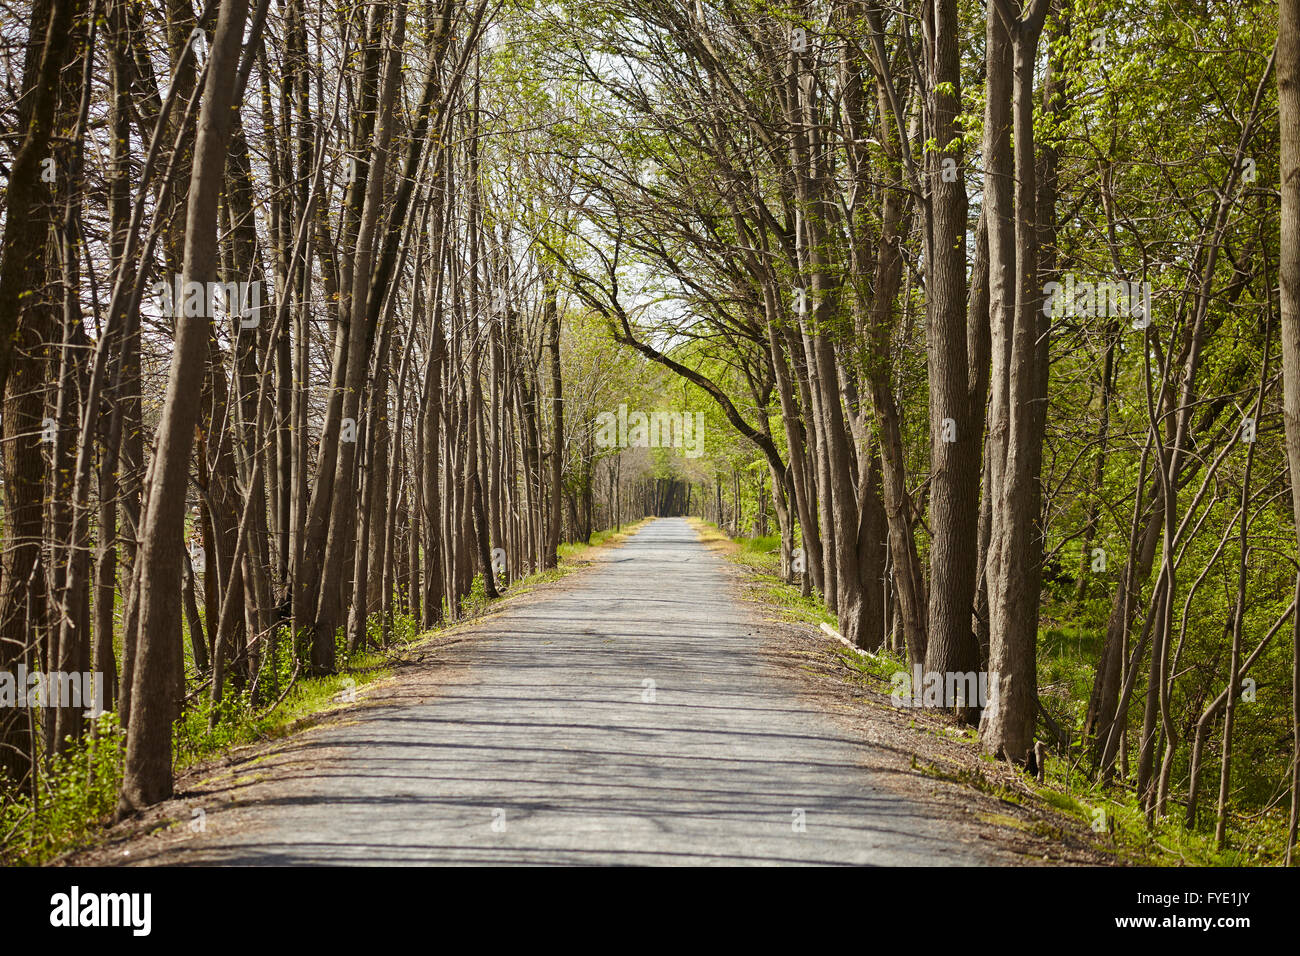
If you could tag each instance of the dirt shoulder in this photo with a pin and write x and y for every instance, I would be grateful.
(919, 752)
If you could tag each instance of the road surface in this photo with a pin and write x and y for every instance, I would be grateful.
(626, 717)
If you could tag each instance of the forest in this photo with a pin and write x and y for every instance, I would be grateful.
(324, 325)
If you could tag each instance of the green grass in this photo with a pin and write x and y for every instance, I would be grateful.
(578, 552)
(762, 552)
(240, 723)
(1070, 640)
(1116, 817)
(881, 666)
(77, 792)
(762, 558)
(1067, 656)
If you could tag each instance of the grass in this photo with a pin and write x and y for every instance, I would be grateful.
(968, 777)
(576, 555)
(71, 799)
(1116, 816)
(1070, 640)
(1069, 646)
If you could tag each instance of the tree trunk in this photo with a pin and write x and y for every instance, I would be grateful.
(155, 697)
